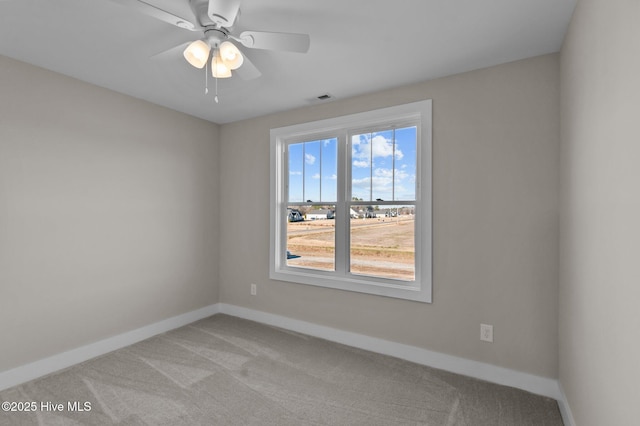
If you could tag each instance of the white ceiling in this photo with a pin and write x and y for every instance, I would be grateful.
(357, 46)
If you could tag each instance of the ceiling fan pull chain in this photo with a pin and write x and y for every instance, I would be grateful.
(216, 97)
(206, 82)
(206, 78)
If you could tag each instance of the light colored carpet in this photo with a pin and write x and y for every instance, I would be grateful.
(228, 371)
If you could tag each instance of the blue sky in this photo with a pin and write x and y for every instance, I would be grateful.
(380, 168)
(314, 165)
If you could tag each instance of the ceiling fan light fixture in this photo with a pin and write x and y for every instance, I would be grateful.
(218, 68)
(197, 53)
(231, 55)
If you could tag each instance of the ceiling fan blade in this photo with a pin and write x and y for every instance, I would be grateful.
(275, 41)
(172, 53)
(224, 12)
(158, 13)
(247, 71)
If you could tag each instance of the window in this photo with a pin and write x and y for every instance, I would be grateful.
(351, 202)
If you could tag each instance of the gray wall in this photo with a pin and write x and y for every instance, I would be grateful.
(108, 213)
(600, 225)
(110, 217)
(496, 152)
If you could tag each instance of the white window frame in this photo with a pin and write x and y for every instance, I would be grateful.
(421, 288)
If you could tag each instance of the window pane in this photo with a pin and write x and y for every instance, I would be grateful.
(296, 170)
(329, 170)
(383, 241)
(361, 167)
(382, 158)
(383, 165)
(311, 237)
(312, 171)
(405, 164)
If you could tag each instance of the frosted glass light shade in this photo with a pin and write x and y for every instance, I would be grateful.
(197, 53)
(231, 56)
(218, 67)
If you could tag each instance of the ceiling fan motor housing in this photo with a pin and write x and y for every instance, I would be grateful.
(215, 36)
(221, 13)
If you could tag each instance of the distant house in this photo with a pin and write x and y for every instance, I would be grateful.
(370, 212)
(317, 214)
(294, 215)
(390, 212)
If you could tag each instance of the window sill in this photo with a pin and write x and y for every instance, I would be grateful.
(408, 291)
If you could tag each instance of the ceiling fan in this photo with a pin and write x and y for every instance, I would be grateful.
(215, 19)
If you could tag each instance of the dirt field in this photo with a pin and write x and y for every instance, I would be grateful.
(381, 247)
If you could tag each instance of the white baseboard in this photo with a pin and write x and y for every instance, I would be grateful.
(491, 373)
(57, 362)
(565, 409)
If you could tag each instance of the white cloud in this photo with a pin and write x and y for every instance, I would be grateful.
(316, 176)
(309, 159)
(291, 172)
(380, 183)
(361, 183)
(399, 175)
(365, 147)
(402, 193)
(332, 177)
(384, 186)
(382, 147)
(383, 173)
(359, 163)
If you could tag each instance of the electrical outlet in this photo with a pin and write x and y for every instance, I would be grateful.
(254, 289)
(486, 333)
